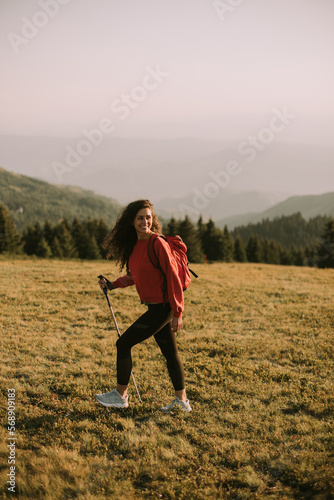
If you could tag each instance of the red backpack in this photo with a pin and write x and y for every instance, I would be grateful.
(179, 252)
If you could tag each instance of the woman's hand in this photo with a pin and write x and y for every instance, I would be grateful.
(176, 324)
(103, 283)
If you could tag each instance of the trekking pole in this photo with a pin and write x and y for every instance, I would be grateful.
(105, 291)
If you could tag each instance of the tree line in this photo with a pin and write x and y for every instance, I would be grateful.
(205, 241)
(286, 229)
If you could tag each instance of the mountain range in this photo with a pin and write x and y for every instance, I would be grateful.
(30, 199)
(228, 203)
(127, 169)
(309, 206)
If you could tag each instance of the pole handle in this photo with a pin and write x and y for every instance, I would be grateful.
(105, 290)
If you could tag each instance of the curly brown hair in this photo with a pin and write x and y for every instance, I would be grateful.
(120, 241)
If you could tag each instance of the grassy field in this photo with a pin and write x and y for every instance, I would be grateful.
(257, 347)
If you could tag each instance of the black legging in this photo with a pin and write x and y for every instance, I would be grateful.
(156, 321)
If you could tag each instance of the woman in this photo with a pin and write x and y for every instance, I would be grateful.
(128, 243)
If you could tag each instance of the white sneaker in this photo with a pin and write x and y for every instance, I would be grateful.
(114, 399)
(185, 405)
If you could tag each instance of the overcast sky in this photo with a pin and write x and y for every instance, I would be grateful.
(179, 68)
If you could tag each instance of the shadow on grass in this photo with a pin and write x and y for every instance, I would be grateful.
(32, 427)
(136, 413)
(302, 408)
(307, 490)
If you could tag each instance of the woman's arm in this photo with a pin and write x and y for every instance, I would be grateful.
(121, 282)
(174, 286)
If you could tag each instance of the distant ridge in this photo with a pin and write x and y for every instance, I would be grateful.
(308, 205)
(229, 203)
(132, 168)
(30, 200)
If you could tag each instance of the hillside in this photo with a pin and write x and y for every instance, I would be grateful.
(31, 199)
(309, 206)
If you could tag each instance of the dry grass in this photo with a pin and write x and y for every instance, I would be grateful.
(257, 346)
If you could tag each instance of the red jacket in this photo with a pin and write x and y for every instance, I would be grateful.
(149, 281)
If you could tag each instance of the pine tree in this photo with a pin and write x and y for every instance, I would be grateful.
(10, 240)
(275, 252)
(188, 233)
(32, 237)
(286, 258)
(271, 252)
(66, 242)
(228, 246)
(91, 226)
(42, 249)
(76, 230)
(212, 242)
(239, 250)
(48, 232)
(172, 227)
(310, 256)
(56, 249)
(254, 249)
(102, 230)
(325, 252)
(201, 226)
(66, 223)
(297, 256)
(87, 247)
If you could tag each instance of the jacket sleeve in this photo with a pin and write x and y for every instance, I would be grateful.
(170, 269)
(123, 281)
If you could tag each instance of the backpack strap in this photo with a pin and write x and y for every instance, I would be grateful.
(154, 237)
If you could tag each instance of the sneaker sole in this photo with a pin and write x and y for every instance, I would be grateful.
(168, 411)
(165, 411)
(112, 405)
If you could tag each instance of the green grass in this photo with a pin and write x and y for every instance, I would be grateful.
(257, 347)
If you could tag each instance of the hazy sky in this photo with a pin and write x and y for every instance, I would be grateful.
(159, 68)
